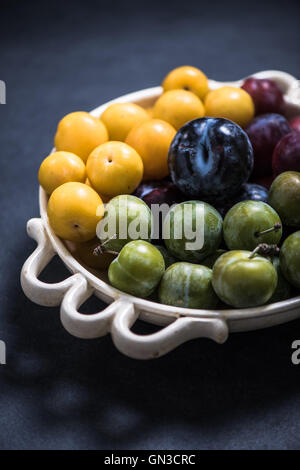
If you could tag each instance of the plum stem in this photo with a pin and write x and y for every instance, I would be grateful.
(276, 227)
(264, 249)
(100, 249)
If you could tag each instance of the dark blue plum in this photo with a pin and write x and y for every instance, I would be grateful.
(159, 192)
(210, 159)
(248, 192)
(253, 192)
(164, 194)
(147, 186)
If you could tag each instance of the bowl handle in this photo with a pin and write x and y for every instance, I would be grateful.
(119, 317)
(70, 293)
(168, 338)
(81, 325)
(42, 293)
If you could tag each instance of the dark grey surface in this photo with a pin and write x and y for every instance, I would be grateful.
(60, 392)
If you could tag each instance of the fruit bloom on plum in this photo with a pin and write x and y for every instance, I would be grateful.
(264, 132)
(286, 156)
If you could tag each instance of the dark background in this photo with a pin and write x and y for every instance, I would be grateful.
(59, 392)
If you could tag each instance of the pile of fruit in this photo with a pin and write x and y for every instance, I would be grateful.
(229, 155)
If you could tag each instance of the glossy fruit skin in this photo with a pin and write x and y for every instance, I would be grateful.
(230, 103)
(284, 197)
(138, 269)
(74, 210)
(120, 118)
(266, 95)
(178, 107)
(168, 258)
(84, 253)
(114, 168)
(244, 220)
(152, 140)
(253, 192)
(264, 132)
(187, 78)
(188, 285)
(243, 282)
(210, 158)
(210, 260)
(126, 211)
(59, 168)
(248, 192)
(212, 231)
(286, 155)
(295, 123)
(165, 194)
(283, 289)
(290, 259)
(147, 186)
(80, 133)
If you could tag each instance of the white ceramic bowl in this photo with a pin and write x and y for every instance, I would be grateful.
(179, 324)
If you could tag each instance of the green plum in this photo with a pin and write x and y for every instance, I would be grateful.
(188, 285)
(169, 259)
(210, 260)
(126, 218)
(138, 269)
(290, 259)
(243, 280)
(284, 197)
(192, 230)
(245, 223)
(283, 289)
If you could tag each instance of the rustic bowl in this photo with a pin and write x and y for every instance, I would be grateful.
(179, 324)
